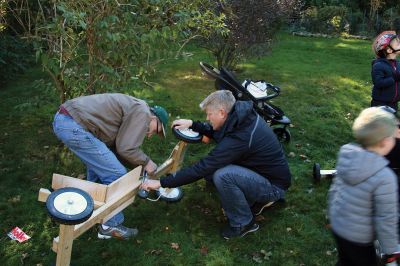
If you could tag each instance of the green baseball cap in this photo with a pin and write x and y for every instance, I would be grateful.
(162, 115)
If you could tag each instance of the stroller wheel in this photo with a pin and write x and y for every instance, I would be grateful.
(282, 134)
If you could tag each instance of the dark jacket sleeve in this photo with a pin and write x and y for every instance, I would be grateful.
(203, 128)
(226, 152)
(382, 76)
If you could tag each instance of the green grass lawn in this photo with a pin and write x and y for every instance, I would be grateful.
(325, 83)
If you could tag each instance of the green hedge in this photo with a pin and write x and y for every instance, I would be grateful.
(16, 55)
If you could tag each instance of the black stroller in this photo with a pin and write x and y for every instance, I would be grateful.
(259, 92)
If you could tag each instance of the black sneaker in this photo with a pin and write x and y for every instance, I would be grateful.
(229, 232)
(259, 207)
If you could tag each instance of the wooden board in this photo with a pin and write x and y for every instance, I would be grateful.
(96, 191)
(127, 182)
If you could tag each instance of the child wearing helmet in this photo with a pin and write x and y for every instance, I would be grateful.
(385, 70)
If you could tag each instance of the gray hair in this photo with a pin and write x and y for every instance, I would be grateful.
(218, 99)
(373, 125)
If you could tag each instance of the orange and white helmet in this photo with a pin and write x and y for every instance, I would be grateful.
(382, 41)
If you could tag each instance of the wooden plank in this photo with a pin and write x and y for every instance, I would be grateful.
(55, 243)
(178, 155)
(44, 193)
(123, 184)
(117, 210)
(96, 191)
(65, 245)
(163, 169)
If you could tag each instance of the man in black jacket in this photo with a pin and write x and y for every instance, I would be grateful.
(247, 166)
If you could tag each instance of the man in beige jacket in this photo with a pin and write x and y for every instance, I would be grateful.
(104, 130)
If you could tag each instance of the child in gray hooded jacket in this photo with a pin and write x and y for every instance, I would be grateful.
(363, 198)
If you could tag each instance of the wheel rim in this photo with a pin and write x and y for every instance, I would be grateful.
(70, 203)
(172, 193)
(189, 133)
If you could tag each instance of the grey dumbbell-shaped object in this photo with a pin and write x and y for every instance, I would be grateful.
(319, 174)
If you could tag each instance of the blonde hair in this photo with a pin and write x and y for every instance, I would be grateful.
(373, 125)
(218, 99)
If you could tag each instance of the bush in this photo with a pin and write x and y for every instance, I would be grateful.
(251, 25)
(327, 19)
(15, 56)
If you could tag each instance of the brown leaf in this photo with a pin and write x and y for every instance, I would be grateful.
(259, 218)
(303, 156)
(175, 246)
(15, 199)
(154, 251)
(204, 250)
(81, 176)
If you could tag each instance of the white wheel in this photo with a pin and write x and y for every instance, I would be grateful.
(170, 194)
(70, 205)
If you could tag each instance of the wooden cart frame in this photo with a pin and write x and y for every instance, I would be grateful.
(108, 199)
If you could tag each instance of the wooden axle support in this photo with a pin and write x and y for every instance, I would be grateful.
(108, 199)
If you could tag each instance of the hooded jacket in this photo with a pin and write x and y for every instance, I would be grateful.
(120, 121)
(385, 87)
(244, 139)
(363, 199)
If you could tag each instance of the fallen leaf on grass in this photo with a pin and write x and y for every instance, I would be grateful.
(260, 218)
(23, 257)
(288, 229)
(175, 246)
(15, 199)
(256, 257)
(266, 254)
(328, 226)
(204, 250)
(105, 254)
(154, 252)
(303, 156)
(292, 154)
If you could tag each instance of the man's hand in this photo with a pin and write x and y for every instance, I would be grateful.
(150, 167)
(151, 184)
(182, 123)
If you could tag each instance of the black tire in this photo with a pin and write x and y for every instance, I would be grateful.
(178, 134)
(143, 194)
(69, 219)
(282, 134)
(317, 172)
(169, 199)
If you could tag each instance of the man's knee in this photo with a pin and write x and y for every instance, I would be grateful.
(223, 176)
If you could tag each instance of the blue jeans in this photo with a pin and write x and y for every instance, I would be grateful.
(239, 189)
(102, 165)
